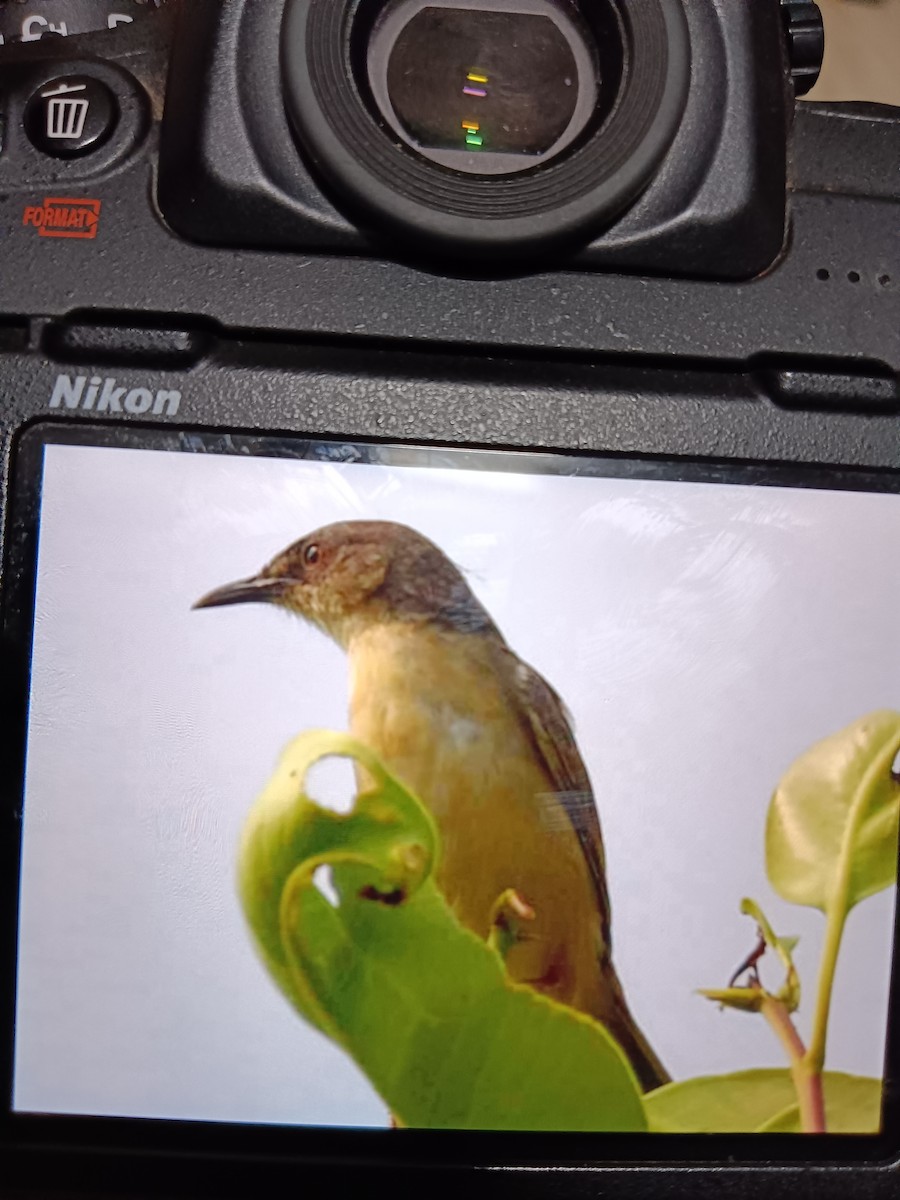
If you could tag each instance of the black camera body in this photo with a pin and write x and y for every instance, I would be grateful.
(243, 245)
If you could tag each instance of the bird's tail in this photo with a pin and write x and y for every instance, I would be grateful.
(621, 1024)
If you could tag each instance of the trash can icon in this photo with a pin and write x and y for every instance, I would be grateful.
(66, 113)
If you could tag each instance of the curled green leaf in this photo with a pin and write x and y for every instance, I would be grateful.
(750, 997)
(422, 1005)
(287, 838)
(789, 992)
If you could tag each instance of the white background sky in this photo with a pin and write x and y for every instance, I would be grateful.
(702, 635)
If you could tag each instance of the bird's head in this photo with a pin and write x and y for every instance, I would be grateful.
(352, 575)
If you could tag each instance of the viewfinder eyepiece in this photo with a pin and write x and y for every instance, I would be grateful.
(485, 127)
(489, 91)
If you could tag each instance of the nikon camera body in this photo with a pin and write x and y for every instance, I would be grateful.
(509, 272)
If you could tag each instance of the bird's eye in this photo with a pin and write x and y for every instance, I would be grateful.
(311, 554)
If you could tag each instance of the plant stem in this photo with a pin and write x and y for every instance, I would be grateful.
(834, 930)
(840, 903)
(807, 1080)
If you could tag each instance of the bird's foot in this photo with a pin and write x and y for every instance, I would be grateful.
(509, 918)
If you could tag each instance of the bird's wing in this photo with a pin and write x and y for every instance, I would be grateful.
(550, 730)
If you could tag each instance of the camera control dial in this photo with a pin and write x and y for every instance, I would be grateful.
(806, 42)
(32, 20)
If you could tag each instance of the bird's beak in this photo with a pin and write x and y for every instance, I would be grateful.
(259, 589)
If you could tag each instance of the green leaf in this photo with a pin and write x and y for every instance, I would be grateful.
(744, 999)
(761, 1101)
(789, 992)
(783, 946)
(852, 1105)
(423, 1005)
(831, 835)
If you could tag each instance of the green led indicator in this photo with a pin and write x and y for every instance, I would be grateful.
(473, 133)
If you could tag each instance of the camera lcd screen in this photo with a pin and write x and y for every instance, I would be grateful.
(702, 664)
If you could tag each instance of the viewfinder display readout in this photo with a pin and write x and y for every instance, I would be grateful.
(514, 75)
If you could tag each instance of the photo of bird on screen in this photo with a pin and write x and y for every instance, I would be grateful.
(480, 738)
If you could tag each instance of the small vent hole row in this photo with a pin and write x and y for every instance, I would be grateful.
(823, 274)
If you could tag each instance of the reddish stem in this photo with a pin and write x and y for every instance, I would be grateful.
(807, 1082)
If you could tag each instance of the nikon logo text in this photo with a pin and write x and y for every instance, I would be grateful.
(103, 396)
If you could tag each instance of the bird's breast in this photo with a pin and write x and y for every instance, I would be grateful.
(436, 708)
(431, 704)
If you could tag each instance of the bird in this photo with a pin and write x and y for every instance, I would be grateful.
(481, 739)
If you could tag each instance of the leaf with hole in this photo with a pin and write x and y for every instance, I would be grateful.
(422, 1004)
